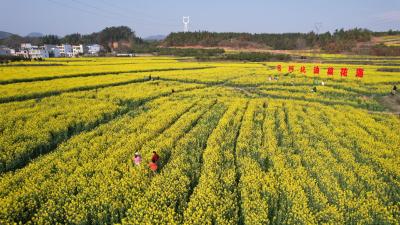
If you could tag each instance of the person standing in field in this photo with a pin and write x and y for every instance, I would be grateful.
(394, 90)
(153, 166)
(314, 89)
(154, 163)
(137, 159)
(155, 157)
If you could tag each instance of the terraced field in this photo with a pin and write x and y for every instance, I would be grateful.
(236, 147)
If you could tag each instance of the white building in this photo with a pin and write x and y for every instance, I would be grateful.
(65, 50)
(79, 49)
(32, 51)
(22, 52)
(53, 50)
(26, 46)
(38, 52)
(6, 51)
(94, 49)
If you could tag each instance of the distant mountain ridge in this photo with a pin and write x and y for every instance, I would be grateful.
(35, 34)
(4, 34)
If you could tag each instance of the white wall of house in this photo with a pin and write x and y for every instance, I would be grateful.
(94, 49)
(32, 51)
(79, 49)
(23, 52)
(38, 53)
(53, 50)
(6, 51)
(3, 51)
(56, 52)
(65, 50)
(26, 45)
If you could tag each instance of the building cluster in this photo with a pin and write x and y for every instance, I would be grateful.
(28, 50)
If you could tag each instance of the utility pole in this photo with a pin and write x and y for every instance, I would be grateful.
(185, 21)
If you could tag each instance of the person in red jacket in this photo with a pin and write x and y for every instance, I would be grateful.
(153, 166)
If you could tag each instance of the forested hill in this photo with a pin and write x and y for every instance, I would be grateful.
(340, 40)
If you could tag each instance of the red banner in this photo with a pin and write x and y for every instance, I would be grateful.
(330, 71)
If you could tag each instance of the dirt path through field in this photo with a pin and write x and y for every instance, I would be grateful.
(392, 102)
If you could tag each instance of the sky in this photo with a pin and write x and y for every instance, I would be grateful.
(153, 17)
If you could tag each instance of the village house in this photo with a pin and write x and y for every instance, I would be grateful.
(6, 51)
(65, 50)
(38, 52)
(79, 50)
(94, 49)
(52, 50)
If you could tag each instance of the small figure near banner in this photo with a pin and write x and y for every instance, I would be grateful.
(314, 89)
(394, 90)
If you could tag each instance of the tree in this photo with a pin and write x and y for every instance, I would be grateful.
(50, 39)
(73, 39)
(115, 34)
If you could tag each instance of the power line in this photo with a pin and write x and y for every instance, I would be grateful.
(118, 14)
(94, 7)
(147, 16)
(82, 10)
(103, 13)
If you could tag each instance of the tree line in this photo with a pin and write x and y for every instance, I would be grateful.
(338, 41)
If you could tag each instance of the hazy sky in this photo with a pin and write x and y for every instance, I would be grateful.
(150, 17)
